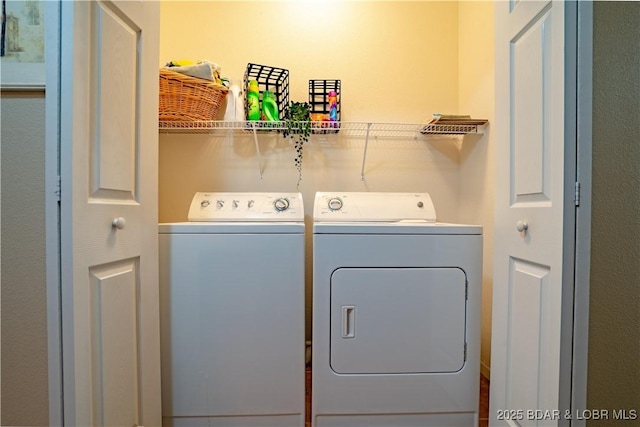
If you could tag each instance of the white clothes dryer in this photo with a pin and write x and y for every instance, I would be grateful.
(396, 313)
(232, 312)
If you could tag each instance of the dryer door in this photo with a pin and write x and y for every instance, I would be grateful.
(398, 320)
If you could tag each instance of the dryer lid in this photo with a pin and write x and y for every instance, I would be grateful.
(246, 207)
(373, 207)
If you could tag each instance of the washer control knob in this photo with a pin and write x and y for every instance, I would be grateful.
(235, 203)
(522, 226)
(250, 204)
(335, 204)
(205, 203)
(420, 204)
(220, 204)
(281, 204)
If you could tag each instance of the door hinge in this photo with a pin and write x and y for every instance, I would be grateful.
(59, 188)
(577, 194)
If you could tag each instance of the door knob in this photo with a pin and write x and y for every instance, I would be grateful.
(522, 226)
(119, 223)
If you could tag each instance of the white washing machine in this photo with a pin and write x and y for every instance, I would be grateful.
(396, 313)
(232, 312)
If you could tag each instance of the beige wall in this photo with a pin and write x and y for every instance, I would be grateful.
(24, 324)
(476, 87)
(614, 312)
(398, 62)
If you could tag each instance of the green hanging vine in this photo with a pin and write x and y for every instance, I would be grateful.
(298, 128)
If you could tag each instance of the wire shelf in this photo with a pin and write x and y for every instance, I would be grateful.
(351, 129)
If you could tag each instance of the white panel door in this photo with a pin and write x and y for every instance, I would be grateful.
(109, 137)
(530, 132)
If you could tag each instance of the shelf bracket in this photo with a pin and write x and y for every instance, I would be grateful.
(364, 155)
(255, 139)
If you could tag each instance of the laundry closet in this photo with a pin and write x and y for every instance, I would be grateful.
(398, 62)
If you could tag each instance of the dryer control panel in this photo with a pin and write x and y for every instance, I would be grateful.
(217, 206)
(373, 207)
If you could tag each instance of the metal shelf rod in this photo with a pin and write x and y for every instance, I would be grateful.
(364, 155)
(259, 154)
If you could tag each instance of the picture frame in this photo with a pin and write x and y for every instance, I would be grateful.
(22, 40)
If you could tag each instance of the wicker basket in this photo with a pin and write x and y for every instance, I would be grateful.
(185, 98)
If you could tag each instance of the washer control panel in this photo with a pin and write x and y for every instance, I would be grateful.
(217, 206)
(373, 207)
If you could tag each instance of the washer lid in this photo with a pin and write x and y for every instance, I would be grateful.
(246, 207)
(373, 207)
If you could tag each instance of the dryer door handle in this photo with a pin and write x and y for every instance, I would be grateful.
(348, 321)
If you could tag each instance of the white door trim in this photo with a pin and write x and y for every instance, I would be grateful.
(583, 214)
(52, 210)
(569, 211)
